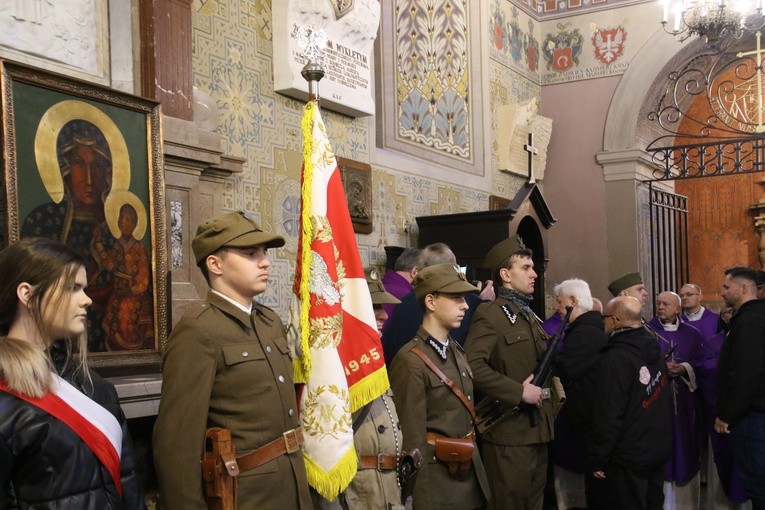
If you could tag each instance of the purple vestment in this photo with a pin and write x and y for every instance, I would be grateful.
(706, 374)
(686, 406)
(397, 285)
(708, 324)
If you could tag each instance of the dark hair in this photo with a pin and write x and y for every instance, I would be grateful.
(39, 262)
(407, 260)
(743, 273)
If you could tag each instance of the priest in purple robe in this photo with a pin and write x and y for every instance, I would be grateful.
(701, 318)
(398, 281)
(681, 345)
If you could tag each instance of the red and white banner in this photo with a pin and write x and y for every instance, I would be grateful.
(340, 357)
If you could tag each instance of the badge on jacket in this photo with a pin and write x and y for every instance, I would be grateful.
(512, 317)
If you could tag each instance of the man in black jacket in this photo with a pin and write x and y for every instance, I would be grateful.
(576, 365)
(631, 437)
(741, 380)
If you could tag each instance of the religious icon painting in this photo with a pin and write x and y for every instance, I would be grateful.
(84, 166)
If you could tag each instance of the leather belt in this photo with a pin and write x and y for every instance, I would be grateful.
(382, 462)
(431, 437)
(289, 443)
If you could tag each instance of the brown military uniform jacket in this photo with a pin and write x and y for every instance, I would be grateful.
(221, 371)
(425, 404)
(503, 349)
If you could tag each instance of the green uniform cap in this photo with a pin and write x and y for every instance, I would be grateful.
(232, 229)
(502, 251)
(623, 283)
(445, 278)
(376, 289)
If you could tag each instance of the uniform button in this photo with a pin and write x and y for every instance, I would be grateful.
(381, 429)
(463, 374)
(291, 412)
(470, 397)
(281, 378)
(268, 348)
(245, 354)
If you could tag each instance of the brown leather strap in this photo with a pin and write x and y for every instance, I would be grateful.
(448, 382)
(382, 462)
(431, 437)
(289, 443)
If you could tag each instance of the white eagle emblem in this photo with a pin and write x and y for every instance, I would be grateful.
(321, 284)
(609, 44)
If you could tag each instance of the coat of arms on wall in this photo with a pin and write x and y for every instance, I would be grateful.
(609, 44)
(562, 50)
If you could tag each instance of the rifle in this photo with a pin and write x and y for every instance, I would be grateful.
(491, 411)
(544, 368)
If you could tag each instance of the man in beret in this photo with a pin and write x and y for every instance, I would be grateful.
(433, 391)
(630, 284)
(227, 364)
(503, 346)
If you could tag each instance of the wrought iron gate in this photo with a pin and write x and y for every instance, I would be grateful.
(669, 240)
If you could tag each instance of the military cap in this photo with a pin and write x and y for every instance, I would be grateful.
(623, 283)
(444, 277)
(502, 251)
(233, 229)
(376, 289)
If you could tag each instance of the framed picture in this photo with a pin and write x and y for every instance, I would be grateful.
(357, 181)
(83, 164)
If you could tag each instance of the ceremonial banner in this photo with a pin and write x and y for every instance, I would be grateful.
(339, 356)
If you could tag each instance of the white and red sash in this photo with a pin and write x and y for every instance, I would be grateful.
(97, 427)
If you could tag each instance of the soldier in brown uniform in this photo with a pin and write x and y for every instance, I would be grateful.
(503, 347)
(226, 364)
(431, 411)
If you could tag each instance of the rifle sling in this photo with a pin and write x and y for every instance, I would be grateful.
(448, 382)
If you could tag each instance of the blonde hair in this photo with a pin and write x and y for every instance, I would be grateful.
(50, 267)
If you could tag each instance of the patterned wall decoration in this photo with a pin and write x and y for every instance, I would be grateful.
(595, 44)
(431, 93)
(550, 9)
(511, 45)
(232, 63)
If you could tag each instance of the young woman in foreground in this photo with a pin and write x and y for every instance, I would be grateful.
(63, 437)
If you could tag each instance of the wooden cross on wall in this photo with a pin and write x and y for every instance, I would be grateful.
(533, 151)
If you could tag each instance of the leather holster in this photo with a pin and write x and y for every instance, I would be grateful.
(457, 453)
(219, 469)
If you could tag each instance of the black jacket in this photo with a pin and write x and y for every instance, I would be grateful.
(576, 365)
(631, 406)
(45, 465)
(741, 368)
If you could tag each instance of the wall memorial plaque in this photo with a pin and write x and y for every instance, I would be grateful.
(347, 85)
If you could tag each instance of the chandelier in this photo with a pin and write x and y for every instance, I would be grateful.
(712, 18)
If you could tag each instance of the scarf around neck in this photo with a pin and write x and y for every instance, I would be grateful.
(520, 299)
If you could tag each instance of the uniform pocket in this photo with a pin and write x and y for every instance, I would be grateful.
(244, 363)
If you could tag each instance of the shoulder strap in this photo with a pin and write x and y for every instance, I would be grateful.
(101, 445)
(361, 417)
(448, 382)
